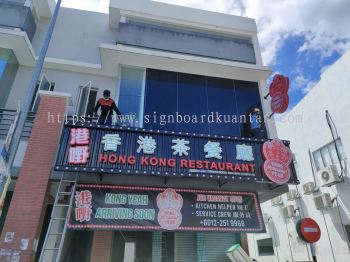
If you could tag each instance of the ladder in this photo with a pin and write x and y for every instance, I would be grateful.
(53, 244)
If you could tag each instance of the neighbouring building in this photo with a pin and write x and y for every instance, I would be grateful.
(321, 164)
(177, 183)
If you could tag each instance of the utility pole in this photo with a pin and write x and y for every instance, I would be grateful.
(30, 92)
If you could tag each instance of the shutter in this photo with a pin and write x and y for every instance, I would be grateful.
(185, 247)
(216, 244)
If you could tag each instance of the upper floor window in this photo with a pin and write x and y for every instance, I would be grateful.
(8, 70)
(202, 104)
(45, 85)
(86, 100)
(327, 155)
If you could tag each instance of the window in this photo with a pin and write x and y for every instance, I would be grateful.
(43, 84)
(201, 104)
(131, 93)
(327, 155)
(8, 70)
(347, 230)
(265, 247)
(86, 100)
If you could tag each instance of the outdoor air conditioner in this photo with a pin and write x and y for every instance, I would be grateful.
(323, 201)
(292, 195)
(288, 211)
(309, 188)
(329, 176)
(276, 201)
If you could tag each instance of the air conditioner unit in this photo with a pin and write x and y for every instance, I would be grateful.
(329, 176)
(323, 201)
(288, 211)
(309, 188)
(292, 195)
(276, 201)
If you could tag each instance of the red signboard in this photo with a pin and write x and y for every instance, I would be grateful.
(279, 94)
(277, 159)
(309, 230)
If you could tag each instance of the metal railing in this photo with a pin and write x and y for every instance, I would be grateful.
(7, 118)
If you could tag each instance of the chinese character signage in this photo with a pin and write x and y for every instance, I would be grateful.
(146, 208)
(279, 94)
(133, 151)
(277, 160)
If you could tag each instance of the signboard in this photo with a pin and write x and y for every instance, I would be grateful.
(309, 230)
(279, 94)
(127, 150)
(144, 208)
(277, 160)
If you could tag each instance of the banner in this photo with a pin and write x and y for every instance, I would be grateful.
(127, 150)
(147, 208)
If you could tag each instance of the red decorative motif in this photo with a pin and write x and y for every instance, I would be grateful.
(279, 94)
(169, 203)
(278, 157)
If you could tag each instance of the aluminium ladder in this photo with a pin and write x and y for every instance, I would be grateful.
(53, 244)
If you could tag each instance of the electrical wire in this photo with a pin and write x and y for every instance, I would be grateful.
(329, 238)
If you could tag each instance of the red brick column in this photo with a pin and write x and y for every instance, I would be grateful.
(101, 246)
(28, 203)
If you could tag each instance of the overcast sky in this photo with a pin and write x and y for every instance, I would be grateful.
(299, 38)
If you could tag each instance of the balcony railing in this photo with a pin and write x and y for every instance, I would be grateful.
(7, 118)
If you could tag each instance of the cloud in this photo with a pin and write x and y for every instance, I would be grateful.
(325, 26)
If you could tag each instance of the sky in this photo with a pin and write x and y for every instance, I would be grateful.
(298, 38)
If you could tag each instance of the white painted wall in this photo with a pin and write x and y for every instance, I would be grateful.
(332, 93)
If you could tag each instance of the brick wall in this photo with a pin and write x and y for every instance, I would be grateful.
(28, 203)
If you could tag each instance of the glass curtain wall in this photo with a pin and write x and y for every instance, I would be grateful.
(201, 104)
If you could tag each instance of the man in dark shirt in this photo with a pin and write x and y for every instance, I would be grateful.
(107, 106)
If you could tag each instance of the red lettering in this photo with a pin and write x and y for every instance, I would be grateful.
(144, 161)
(183, 163)
(162, 161)
(213, 166)
(102, 158)
(122, 159)
(206, 164)
(191, 164)
(221, 166)
(199, 164)
(237, 168)
(252, 168)
(153, 161)
(131, 160)
(245, 168)
(229, 167)
(171, 162)
(112, 158)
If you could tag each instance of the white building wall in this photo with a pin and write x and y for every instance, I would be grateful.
(306, 127)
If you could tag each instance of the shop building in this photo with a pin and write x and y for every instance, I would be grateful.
(323, 193)
(164, 65)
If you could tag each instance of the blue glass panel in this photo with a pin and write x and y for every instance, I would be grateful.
(248, 104)
(221, 103)
(192, 103)
(2, 67)
(160, 99)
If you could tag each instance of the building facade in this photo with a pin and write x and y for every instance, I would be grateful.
(323, 191)
(171, 70)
